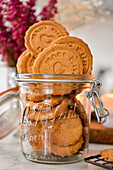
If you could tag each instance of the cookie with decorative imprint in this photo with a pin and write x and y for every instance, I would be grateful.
(64, 150)
(34, 130)
(56, 111)
(107, 154)
(42, 34)
(63, 131)
(82, 48)
(25, 62)
(58, 59)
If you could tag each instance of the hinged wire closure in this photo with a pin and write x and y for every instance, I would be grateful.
(100, 110)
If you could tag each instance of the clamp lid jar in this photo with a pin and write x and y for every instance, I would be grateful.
(55, 117)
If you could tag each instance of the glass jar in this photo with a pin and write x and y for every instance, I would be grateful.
(55, 117)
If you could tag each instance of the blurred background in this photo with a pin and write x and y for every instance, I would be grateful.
(90, 20)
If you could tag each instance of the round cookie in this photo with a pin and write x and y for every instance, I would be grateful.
(57, 111)
(64, 131)
(45, 104)
(34, 130)
(60, 88)
(82, 48)
(36, 95)
(65, 150)
(42, 34)
(79, 108)
(30, 63)
(25, 62)
(58, 59)
(107, 154)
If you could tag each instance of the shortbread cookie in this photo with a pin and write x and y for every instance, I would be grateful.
(79, 108)
(62, 91)
(64, 150)
(107, 154)
(64, 131)
(36, 95)
(82, 48)
(34, 130)
(25, 62)
(57, 111)
(45, 104)
(30, 63)
(57, 88)
(58, 59)
(42, 34)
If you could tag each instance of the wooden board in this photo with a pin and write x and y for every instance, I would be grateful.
(100, 134)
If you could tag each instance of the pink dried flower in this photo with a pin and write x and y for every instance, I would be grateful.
(49, 11)
(15, 19)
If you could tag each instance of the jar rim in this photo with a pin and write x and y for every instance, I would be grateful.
(68, 78)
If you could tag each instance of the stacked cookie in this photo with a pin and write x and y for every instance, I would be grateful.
(37, 38)
(56, 118)
(58, 129)
(50, 50)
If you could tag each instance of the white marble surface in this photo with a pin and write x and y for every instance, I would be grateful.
(11, 158)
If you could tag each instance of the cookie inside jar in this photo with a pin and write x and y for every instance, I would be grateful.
(56, 73)
(57, 125)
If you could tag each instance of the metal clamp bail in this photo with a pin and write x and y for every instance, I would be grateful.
(100, 110)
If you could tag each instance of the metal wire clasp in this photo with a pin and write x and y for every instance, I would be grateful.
(100, 110)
